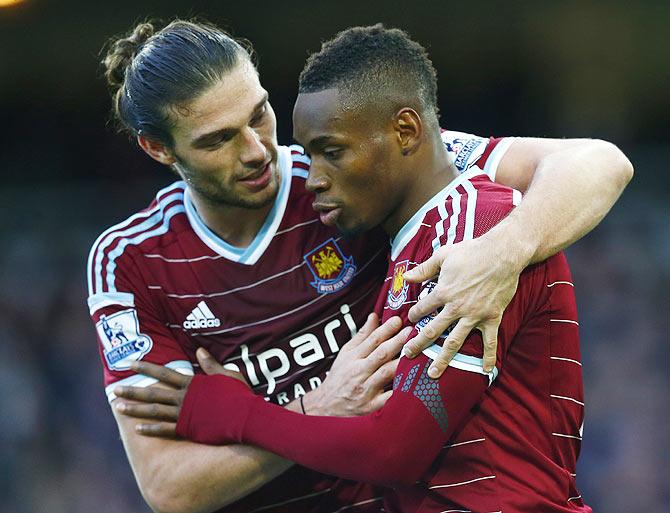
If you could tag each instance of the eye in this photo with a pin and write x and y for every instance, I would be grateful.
(216, 144)
(258, 117)
(331, 153)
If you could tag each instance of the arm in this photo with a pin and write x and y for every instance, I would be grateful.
(182, 476)
(569, 186)
(397, 444)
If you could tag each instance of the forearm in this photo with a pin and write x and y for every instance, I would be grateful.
(180, 476)
(571, 190)
(393, 445)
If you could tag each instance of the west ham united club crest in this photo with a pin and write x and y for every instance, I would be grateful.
(332, 270)
(121, 339)
(399, 287)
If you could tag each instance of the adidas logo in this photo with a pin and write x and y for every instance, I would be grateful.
(201, 317)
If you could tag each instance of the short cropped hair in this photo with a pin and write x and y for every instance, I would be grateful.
(376, 64)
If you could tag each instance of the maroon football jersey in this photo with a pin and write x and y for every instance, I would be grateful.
(518, 448)
(162, 284)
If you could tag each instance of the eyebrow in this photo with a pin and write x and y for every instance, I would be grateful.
(206, 139)
(320, 142)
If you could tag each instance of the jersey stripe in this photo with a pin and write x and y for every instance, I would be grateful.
(138, 239)
(148, 218)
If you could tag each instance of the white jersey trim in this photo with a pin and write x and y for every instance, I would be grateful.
(151, 217)
(408, 231)
(142, 381)
(463, 362)
(250, 254)
(492, 162)
(103, 299)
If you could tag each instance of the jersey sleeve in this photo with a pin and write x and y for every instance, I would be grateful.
(395, 445)
(128, 325)
(467, 150)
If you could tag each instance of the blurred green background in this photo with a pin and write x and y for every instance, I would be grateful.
(556, 69)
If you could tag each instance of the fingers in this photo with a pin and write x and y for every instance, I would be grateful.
(450, 347)
(382, 376)
(426, 270)
(380, 400)
(153, 394)
(371, 323)
(389, 349)
(435, 300)
(162, 374)
(428, 334)
(207, 362)
(160, 429)
(490, 337)
(148, 411)
(379, 335)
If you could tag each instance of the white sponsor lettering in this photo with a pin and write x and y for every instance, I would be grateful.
(308, 349)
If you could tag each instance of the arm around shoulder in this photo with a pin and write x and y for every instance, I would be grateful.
(569, 186)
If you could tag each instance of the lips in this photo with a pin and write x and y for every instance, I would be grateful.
(259, 180)
(328, 213)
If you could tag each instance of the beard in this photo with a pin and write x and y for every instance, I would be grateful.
(217, 194)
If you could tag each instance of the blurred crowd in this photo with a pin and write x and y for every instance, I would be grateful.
(59, 446)
(572, 68)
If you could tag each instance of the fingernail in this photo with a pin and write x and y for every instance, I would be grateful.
(407, 352)
(433, 372)
(121, 407)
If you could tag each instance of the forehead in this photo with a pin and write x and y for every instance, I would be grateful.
(227, 103)
(323, 114)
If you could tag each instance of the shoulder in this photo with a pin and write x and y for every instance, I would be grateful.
(467, 150)
(299, 161)
(115, 246)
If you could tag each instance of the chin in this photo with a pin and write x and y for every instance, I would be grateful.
(351, 231)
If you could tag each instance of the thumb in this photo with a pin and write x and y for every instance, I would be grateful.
(207, 362)
(426, 270)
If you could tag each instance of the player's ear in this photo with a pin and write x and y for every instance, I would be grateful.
(156, 150)
(409, 129)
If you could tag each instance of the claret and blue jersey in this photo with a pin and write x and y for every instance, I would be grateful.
(470, 441)
(162, 284)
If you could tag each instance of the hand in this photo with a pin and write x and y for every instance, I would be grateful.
(162, 404)
(476, 282)
(363, 367)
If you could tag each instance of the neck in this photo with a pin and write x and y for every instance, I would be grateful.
(430, 171)
(238, 226)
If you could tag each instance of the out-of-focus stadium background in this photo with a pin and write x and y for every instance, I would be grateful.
(560, 69)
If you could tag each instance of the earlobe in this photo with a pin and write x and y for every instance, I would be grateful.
(409, 129)
(156, 150)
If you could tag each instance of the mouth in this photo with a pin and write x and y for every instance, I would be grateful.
(328, 212)
(260, 179)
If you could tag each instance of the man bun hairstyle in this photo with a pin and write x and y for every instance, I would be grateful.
(150, 73)
(374, 63)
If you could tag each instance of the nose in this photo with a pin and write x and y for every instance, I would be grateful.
(253, 152)
(316, 181)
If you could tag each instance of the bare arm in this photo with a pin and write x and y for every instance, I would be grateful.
(186, 477)
(569, 186)
(179, 476)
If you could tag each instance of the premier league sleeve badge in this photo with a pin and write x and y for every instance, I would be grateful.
(121, 339)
